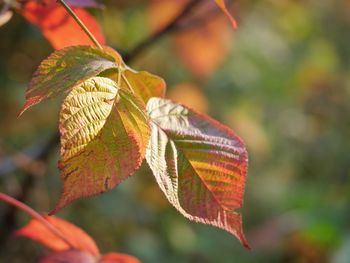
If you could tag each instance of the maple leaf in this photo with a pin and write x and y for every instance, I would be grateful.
(199, 164)
(58, 27)
(104, 134)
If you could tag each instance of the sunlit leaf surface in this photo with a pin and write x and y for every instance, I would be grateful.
(65, 68)
(104, 134)
(199, 164)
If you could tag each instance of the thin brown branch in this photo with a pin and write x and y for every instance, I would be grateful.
(169, 28)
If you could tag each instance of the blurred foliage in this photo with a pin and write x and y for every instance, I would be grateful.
(284, 88)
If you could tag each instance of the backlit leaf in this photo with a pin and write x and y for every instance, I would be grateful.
(104, 134)
(118, 258)
(143, 84)
(199, 164)
(58, 27)
(222, 5)
(66, 68)
(77, 237)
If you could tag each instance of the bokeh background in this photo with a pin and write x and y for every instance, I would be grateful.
(281, 81)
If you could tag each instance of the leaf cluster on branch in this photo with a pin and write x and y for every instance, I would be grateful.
(113, 117)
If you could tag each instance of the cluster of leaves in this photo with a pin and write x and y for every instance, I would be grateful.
(114, 117)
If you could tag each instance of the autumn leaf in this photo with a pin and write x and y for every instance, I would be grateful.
(104, 134)
(142, 83)
(195, 97)
(69, 256)
(222, 5)
(118, 258)
(73, 245)
(83, 3)
(66, 68)
(58, 27)
(201, 48)
(74, 235)
(199, 164)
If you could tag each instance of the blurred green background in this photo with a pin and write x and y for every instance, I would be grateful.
(283, 85)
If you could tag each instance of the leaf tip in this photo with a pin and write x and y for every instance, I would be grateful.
(29, 103)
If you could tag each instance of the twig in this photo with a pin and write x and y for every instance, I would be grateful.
(159, 34)
(8, 220)
(15, 203)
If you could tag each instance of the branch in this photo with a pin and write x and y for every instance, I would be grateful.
(35, 215)
(172, 26)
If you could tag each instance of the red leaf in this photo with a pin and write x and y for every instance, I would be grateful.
(74, 235)
(118, 258)
(83, 3)
(69, 256)
(58, 27)
(199, 164)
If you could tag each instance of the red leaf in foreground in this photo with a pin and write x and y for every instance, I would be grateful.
(69, 256)
(118, 258)
(74, 235)
(222, 5)
(59, 28)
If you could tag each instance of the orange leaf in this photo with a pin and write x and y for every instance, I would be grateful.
(71, 256)
(202, 49)
(195, 98)
(58, 27)
(222, 5)
(161, 12)
(118, 258)
(74, 235)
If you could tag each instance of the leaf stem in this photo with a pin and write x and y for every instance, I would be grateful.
(12, 201)
(80, 23)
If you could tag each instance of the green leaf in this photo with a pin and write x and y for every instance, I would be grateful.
(104, 134)
(66, 68)
(199, 164)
